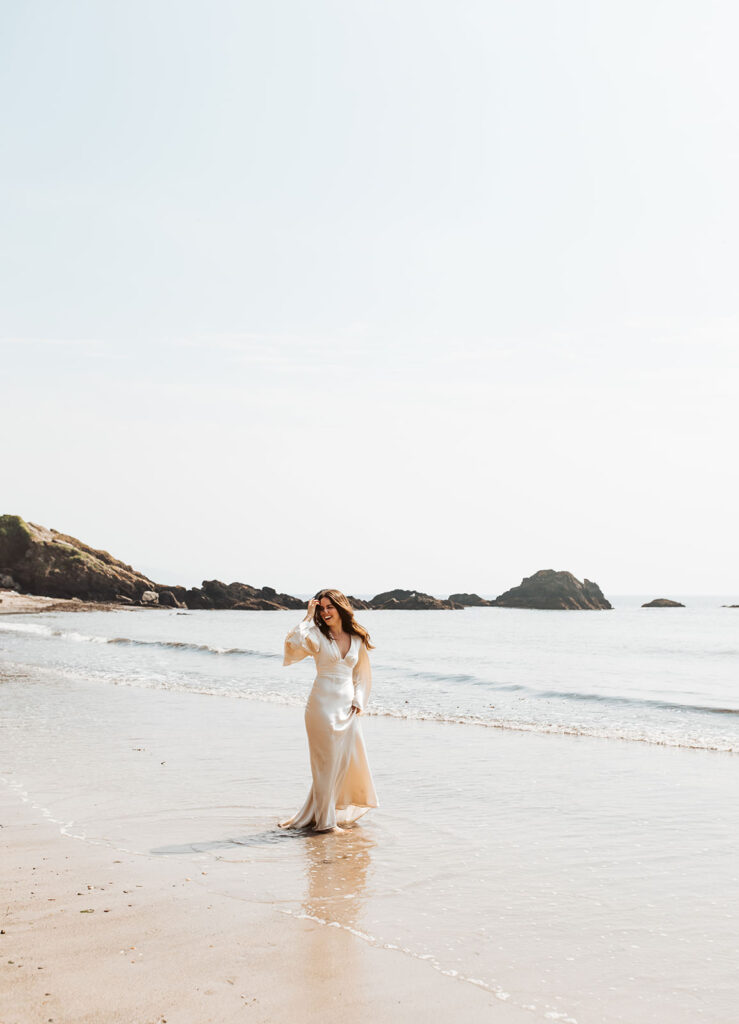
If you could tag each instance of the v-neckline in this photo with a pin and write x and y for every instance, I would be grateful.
(348, 650)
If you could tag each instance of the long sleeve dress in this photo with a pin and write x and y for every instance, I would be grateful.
(342, 787)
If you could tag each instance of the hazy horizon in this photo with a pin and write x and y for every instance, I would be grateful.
(410, 294)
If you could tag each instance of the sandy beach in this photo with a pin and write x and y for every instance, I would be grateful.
(506, 876)
(91, 934)
(14, 603)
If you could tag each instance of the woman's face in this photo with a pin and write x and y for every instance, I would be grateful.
(328, 613)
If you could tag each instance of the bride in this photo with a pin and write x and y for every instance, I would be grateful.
(342, 787)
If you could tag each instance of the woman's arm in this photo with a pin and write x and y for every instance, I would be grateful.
(304, 639)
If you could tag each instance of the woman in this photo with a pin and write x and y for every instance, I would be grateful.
(342, 787)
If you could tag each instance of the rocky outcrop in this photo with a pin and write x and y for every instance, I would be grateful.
(47, 563)
(171, 596)
(215, 594)
(663, 602)
(471, 600)
(409, 600)
(357, 603)
(52, 564)
(548, 589)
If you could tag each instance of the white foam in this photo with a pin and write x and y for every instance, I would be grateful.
(373, 940)
(34, 628)
(632, 734)
(65, 826)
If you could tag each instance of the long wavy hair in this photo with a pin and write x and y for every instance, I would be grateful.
(346, 614)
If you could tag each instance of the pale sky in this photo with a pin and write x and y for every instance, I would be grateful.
(371, 295)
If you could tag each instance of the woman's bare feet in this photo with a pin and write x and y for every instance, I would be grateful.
(328, 831)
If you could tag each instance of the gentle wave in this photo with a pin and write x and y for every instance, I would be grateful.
(442, 677)
(36, 629)
(648, 702)
(445, 718)
(609, 732)
(567, 695)
(182, 645)
(562, 729)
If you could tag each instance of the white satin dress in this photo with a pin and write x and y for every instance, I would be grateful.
(342, 787)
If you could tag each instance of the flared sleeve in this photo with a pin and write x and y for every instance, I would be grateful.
(301, 641)
(362, 676)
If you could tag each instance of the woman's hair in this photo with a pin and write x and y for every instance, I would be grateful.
(346, 614)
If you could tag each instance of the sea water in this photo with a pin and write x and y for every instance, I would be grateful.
(667, 676)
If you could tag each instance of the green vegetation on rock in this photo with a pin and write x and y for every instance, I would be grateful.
(15, 539)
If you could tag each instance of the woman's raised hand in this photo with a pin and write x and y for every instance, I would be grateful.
(312, 605)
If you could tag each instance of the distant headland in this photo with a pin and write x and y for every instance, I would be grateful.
(45, 563)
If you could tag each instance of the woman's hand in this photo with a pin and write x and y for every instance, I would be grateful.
(312, 605)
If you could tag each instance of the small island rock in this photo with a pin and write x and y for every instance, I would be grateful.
(471, 600)
(548, 589)
(409, 600)
(242, 596)
(663, 602)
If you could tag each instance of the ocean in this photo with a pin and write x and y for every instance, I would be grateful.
(666, 676)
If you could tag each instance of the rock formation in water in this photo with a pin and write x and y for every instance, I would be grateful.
(471, 600)
(548, 589)
(663, 602)
(215, 594)
(412, 600)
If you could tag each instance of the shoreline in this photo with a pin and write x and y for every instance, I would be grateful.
(13, 603)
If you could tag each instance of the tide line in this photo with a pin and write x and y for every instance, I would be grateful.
(492, 987)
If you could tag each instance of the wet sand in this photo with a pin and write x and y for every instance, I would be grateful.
(94, 935)
(505, 877)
